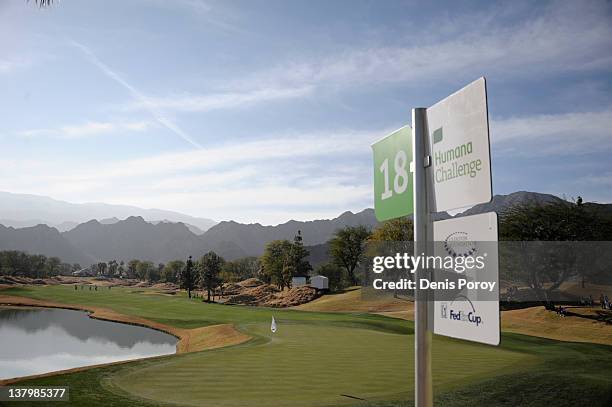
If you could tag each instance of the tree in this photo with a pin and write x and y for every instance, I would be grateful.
(16, 263)
(172, 271)
(157, 272)
(282, 260)
(188, 277)
(209, 268)
(347, 248)
(101, 267)
(38, 264)
(274, 260)
(394, 230)
(390, 237)
(531, 256)
(145, 270)
(298, 254)
(52, 267)
(287, 274)
(240, 269)
(132, 266)
(113, 268)
(65, 269)
(562, 221)
(43, 3)
(121, 269)
(334, 274)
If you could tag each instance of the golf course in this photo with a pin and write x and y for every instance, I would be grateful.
(315, 358)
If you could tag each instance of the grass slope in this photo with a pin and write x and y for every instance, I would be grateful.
(533, 321)
(320, 358)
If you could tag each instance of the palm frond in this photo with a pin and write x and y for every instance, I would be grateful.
(43, 3)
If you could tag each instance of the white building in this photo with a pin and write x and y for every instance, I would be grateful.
(319, 282)
(298, 281)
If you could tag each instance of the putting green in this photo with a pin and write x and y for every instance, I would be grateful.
(307, 365)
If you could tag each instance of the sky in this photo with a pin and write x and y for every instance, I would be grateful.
(264, 111)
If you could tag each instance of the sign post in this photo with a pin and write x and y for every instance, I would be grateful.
(423, 234)
(444, 163)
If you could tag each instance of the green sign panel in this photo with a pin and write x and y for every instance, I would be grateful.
(392, 176)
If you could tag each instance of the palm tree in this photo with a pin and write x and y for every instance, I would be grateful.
(43, 3)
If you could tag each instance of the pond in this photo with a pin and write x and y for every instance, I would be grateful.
(39, 340)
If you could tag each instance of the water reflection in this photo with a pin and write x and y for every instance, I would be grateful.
(36, 341)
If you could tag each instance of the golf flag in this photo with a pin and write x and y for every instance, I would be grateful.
(273, 326)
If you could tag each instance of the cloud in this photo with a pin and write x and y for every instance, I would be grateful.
(89, 129)
(204, 12)
(8, 65)
(214, 101)
(295, 148)
(566, 36)
(564, 133)
(193, 6)
(279, 177)
(600, 180)
(138, 96)
(321, 173)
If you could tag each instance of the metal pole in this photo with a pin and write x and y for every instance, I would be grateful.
(423, 233)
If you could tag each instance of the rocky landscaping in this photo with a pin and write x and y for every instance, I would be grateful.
(256, 293)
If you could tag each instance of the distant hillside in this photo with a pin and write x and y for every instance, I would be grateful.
(42, 239)
(252, 238)
(194, 229)
(134, 238)
(318, 254)
(22, 210)
(500, 203)
(161, 241)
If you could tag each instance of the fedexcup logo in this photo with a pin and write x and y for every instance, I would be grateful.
(458, 244)
(468, 316)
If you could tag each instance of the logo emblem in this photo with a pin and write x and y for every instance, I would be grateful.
(458, 244)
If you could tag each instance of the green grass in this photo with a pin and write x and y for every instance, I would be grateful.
(181, 312)
(317, 358)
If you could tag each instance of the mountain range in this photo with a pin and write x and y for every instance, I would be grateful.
(161, 241)
(24, 210)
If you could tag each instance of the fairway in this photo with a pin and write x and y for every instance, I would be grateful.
(318, 358)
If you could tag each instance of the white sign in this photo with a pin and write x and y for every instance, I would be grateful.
(471, 313)
(458, 130)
